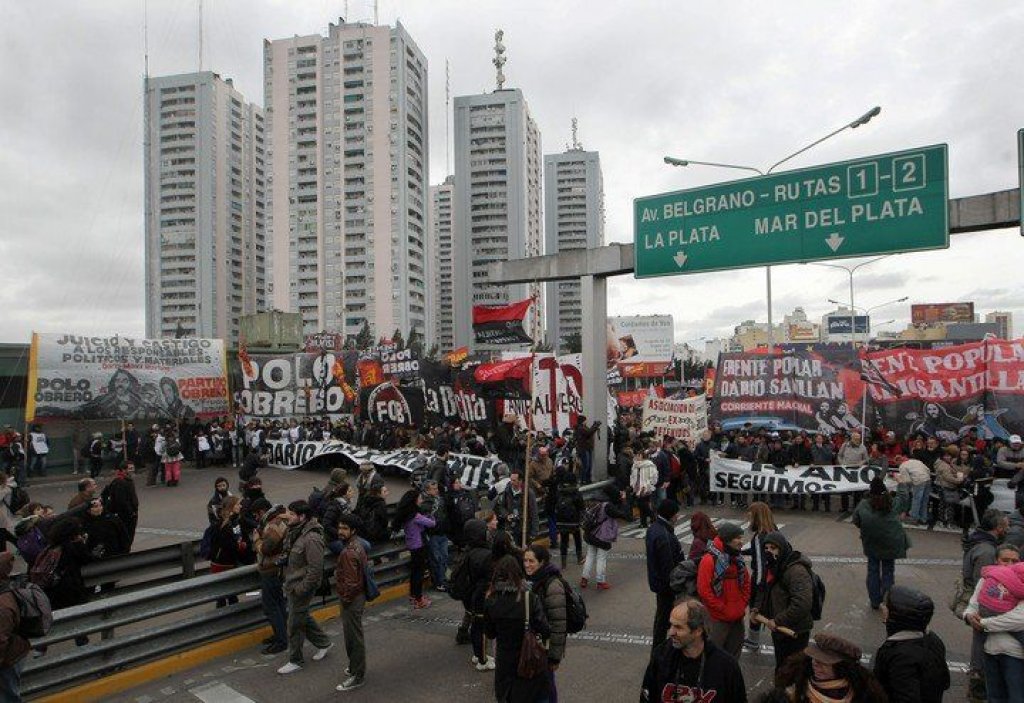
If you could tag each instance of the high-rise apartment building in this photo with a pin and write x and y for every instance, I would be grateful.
(347, 150)
(204, 194)
(496, 208)
(573, 219)
(441, 232)
(1005, 322)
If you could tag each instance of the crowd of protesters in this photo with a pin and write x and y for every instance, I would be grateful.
(699, 632)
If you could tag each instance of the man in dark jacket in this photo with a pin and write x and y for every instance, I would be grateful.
(303, 572)
(688, 666)
(478, 561)
(663, 553)
(122, 501)
(585, 446)
(787, 602)
(509, 508)
(911, 663)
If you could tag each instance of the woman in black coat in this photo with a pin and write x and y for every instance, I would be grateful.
(911, 663)
(504, 622)
(66, 535)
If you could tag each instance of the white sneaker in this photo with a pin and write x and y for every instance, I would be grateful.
(289, 668)
(488, 665)
(321, 653)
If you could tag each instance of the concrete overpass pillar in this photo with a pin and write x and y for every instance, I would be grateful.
(594, 294)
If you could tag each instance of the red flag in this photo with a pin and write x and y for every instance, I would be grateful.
(244, 359)
(504, 370)
(501, 324)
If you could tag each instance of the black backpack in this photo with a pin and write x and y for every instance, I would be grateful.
(683, 578)
(818, 596)
(173, 448)
(565, 507)
(460, 583)
(575, 608)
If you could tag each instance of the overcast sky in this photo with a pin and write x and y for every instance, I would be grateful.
(737, 82)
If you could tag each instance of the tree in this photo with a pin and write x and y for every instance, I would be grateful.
(415, 343)
(397, 340)
(573, 343)
(541, 346)
(433, 352)
(364, 340)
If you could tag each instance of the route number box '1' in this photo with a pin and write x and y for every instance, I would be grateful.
(882, 204)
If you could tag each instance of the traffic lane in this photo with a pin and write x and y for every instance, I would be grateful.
(173, 515)
(420, 644)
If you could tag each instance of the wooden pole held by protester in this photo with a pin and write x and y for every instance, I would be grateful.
(526, 489)
(25, 439)
(124, 441)
(757, 617)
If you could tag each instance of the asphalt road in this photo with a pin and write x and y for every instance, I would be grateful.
(412, 655)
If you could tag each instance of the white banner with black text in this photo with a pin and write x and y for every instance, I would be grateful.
(738, 476)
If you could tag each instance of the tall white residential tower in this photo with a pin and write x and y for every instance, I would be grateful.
(496, 207)
(573, 219)
(204, 191)
(347, 149)
(441, 230)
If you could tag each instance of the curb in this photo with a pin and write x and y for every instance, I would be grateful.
(121, 681)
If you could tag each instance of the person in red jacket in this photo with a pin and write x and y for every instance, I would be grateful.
(723, 585)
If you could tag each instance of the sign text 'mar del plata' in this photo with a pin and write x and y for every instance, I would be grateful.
(875, 205)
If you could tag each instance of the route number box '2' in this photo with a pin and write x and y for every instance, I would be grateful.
(883, 204)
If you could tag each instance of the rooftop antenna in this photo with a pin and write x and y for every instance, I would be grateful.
(200, 35)
(575, 136)
(447, 114)
(376, 12)
(145, 37)
(346, 10)
(499, 57)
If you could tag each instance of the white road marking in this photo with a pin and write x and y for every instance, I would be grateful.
(217, 692)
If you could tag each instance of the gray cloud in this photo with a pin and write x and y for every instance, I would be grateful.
(742, 82)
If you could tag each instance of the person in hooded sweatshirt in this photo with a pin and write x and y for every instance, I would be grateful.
(911, 663)
(723, 585)
(788, 598)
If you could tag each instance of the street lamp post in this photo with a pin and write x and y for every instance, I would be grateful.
(672, 161)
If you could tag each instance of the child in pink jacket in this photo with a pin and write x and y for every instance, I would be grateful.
(1002, 588)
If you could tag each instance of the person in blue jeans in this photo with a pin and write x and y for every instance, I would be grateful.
(437, 536)
(882, 535)
(269, 546)
(584, 436)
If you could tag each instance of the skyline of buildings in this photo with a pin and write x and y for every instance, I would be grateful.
(573, 219)
(205, 246)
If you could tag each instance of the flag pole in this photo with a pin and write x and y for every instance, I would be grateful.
(25, 439)
(526, 473)
(124, 441)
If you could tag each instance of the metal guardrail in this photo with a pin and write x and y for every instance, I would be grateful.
(158, 620)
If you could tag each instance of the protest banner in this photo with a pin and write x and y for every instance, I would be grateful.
(290, 385)
(682, 419)
(738, 476)
(389, 403)
(795, 390)
(948, 392)
(632, 399)
(476, 472)
(557, 392)
(125, 378)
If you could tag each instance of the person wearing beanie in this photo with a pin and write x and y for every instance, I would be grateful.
(788, 598)
(13, 647)
(911, 663)
(829, 671)
(663, 553)
(723, 585)
(882, 535)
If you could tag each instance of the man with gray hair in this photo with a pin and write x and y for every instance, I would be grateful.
(690, 667)
(369, 478)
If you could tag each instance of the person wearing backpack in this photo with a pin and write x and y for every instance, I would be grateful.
(96, 455)
(911, 663)
(643, 481)
(13, 647)
(601, 534)
(58, 569)
(171, 459)
(565, 502)
(471, 587)
(462, 506)
(372, 511)
(350, 583)
(546, 582)
(663, 553)
(788, 599)
(723, 585)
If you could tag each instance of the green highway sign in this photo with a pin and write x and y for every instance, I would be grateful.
(882, 204)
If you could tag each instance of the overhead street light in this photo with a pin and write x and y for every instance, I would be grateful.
(673, 161)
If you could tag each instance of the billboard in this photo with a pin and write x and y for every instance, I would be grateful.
(642, 339)
(841, 324)
(931, 313)
(802, 332)
(125, 378)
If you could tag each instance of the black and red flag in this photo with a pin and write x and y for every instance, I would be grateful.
(501, 324)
